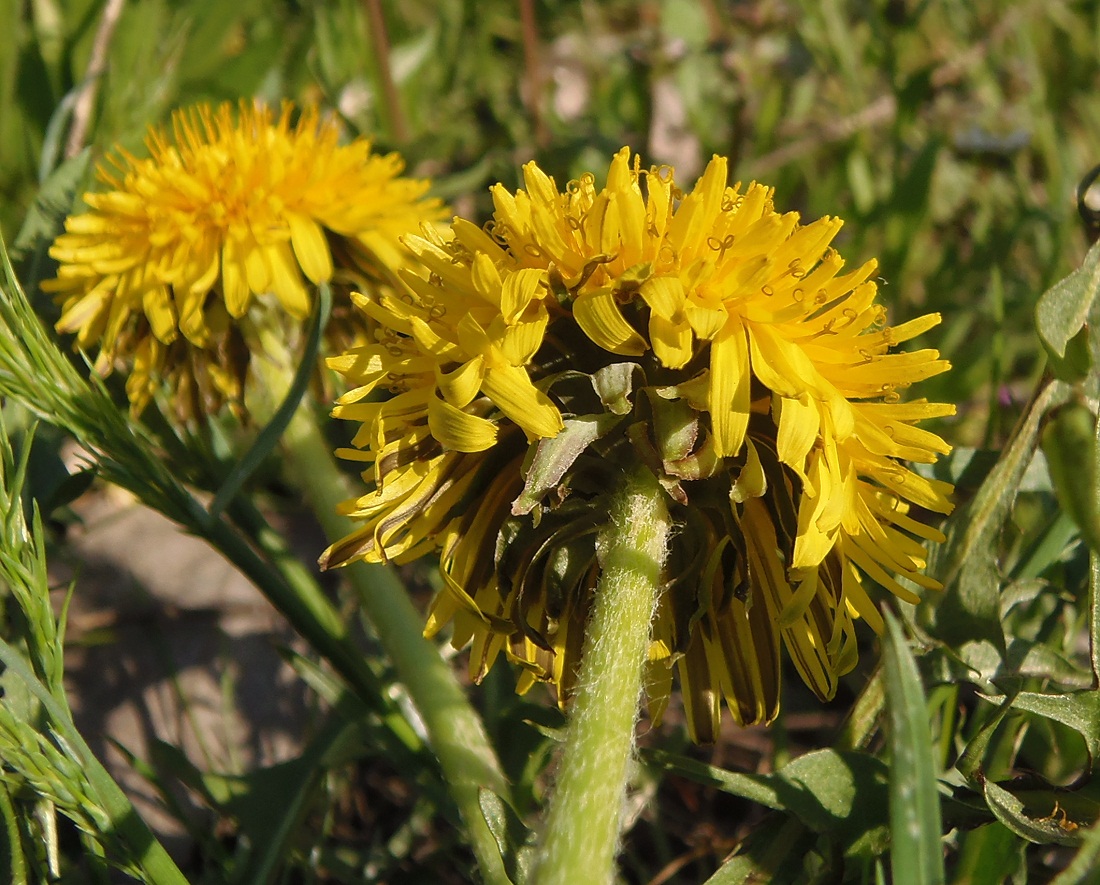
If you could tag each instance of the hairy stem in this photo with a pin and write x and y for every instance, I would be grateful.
(583, 826)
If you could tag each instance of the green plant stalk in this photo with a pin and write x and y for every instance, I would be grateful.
(1094, 572)
(584, 820)
(456, 732)
(148, 854)
(297, 595)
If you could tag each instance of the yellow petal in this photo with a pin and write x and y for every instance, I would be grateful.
(799, 424)
(728, 395)
(458, 431)
(782, 367)
(510, 388)
(520, 342)
(664, 295)
(234, 277)
(287, 281)
(706, 322)
(598, 315)
(914, 327)
(157, 304)
(519, 289)
(752, 481)
(463, 384)
(310, 247)
(671, 341)
(256, 269)
(486, 278)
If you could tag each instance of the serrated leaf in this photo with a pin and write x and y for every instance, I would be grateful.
(1062, 310)
(1009, 810)
(916, 853)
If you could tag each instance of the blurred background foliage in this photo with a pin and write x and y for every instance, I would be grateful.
(950, 135)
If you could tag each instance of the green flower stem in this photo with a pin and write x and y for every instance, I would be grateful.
(582, 835)
(455, 730)
(1094, 572)
(295, 592)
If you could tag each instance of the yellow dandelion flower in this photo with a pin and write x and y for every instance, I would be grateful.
(704, 335)
(232, 217)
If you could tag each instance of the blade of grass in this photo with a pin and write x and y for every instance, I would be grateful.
(916, 853)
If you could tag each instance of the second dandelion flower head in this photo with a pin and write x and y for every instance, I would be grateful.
(701, 335)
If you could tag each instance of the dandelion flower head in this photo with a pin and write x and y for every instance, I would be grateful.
(705, 335)
(229, 224)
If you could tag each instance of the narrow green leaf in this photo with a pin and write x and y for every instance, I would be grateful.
(271, 434)
(916, 852)
(1010, 812)
(970, 760)
(514, 840)
(1062, 310)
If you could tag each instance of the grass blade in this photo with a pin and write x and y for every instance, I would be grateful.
(916, 856)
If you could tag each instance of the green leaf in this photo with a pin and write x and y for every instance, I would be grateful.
(1069, 443)
(916, 852)
(840, 794)
(1010, 812)
(970, 760)
(555, 455)
(1063, 309)
(614, 384)
(1078, 710)
(990, 853)
(515, 841)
